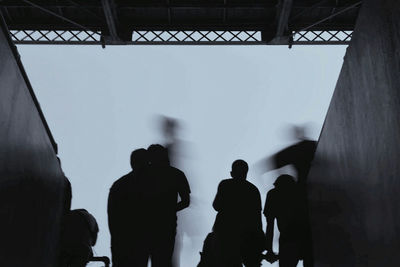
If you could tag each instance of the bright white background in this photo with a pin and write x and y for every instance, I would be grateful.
(232, 102)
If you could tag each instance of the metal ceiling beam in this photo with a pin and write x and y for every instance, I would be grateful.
(112, 22)
(332, 15)
(284, 9)
(56, 15)
(110, 14)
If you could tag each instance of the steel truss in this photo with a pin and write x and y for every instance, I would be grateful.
(83, 37)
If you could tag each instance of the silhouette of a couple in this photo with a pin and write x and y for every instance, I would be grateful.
(142, 209)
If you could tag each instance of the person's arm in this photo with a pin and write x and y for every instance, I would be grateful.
(185, 201)
(184, 192)
(269, 237)
(110, 210)
(270, 217)
(217, 204)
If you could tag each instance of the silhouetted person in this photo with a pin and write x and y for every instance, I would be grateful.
(285, 204)
(126, 214)
(78, 236)
(161, 187)
(192, 219)
(238, 226)
(300, 155)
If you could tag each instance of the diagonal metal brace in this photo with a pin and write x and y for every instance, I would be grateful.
(111, 19)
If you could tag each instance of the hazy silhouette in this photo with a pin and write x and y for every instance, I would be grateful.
(300, 155)
(126, 215)
(78, 235)
(237, 236)
(191, 221)
(286, 204)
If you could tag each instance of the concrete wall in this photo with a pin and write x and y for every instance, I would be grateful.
(31, 181)
(354, 184)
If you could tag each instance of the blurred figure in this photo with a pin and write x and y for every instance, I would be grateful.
(192, 219)
(78, 236)
(126, 214)
(169, 129)
(299, 155)
(285, 204)
(238, 228)
(160, 190)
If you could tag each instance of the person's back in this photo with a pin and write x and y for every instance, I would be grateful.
(124, 209)
(160, 191)
(238, 204)
(126, 217)
(78, 235)
(286, 204)
(238, 226)
(288, 207)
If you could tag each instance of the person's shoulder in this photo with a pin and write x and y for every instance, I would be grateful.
(252, 187)
(176, 172)
(174, 169)
(121, 182)
(271, 192)
(306, 144)
(225, 182)
(250, 184)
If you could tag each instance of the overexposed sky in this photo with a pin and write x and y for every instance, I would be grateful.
(232, 102)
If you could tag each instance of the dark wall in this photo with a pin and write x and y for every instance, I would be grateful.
(31, 181)
(354, 184)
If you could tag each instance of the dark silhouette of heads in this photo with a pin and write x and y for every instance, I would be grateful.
(239, 169)
(169, 127)
(139, 159)
(285, 181)
(158, 155)
(142, 209)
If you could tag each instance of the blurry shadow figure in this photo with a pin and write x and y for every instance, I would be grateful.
(299, 155)
(237, 236)
(192, 219)
(286, 204)
(78, 236)
(126, 214)
(160, 188)
(169, 128)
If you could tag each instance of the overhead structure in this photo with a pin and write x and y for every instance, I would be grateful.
(124, 22)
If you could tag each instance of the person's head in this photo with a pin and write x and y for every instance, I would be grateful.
(158, 155)
(284, 181)
(169, 127)
(139, 159)
(239, 169)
